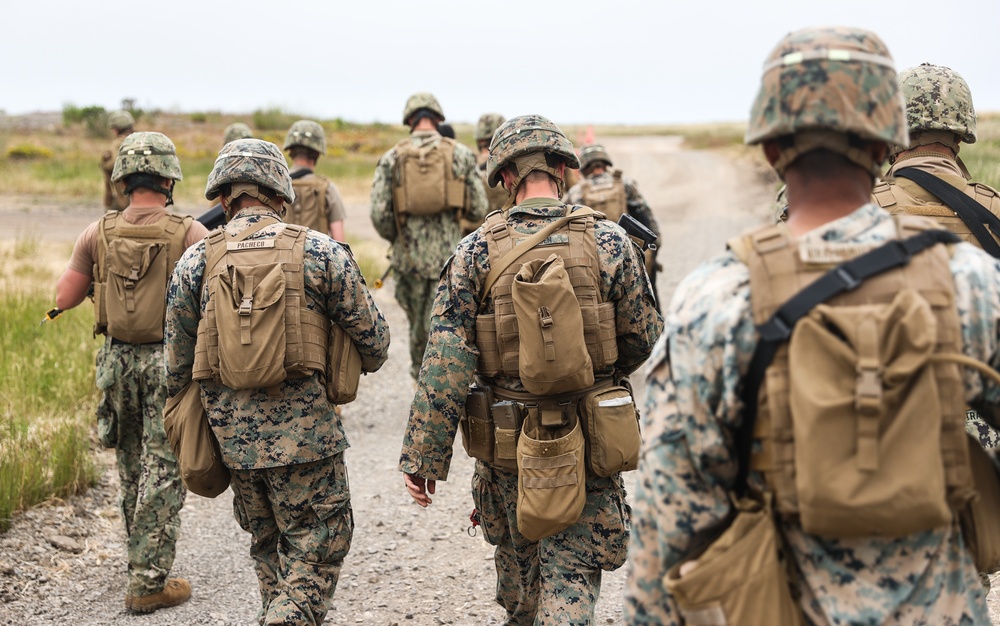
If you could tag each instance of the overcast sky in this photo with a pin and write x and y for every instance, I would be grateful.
(614, 61)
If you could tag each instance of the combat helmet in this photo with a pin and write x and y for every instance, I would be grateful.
(308, 134)
(422, 100)
(252, 161)
(147, 153)
(938, 99)
(592, 154)
(120, 120)
(525, 134)
(236, 130)
(832, 88)
(487, 125)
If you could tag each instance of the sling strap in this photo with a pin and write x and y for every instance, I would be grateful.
(972, 213)
(300, 173)
(778, 328)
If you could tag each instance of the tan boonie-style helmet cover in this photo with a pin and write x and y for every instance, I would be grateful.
(594, 153)
(147, 153)
(120, 120)
(236, 130)
(250, 161)
(525, 134)
(835, 78)
(938, 98)
(422, 100)
(308, 134)
(487, 125)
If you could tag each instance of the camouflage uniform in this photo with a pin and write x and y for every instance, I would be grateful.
(636, 204)
(420, 248)
(555, 580)
(310, 135)
(285, 448)
(496, 197)
(693, 407)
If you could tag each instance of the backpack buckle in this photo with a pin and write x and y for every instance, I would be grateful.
(133, 276)
(868, 390)
(246, 306)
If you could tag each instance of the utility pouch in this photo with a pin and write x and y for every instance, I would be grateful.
(476, 424)
(980, 519)
(507, 419)
(551, 478)
(343, 367)
(611, 428)
(740, 579)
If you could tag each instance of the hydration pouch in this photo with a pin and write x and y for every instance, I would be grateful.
(611, 427)
(551, 478)
(476, 425)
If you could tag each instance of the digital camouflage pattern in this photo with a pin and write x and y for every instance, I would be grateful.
(236, 130)
(635, 202)
(418, 250)
(525, 134)
(308, 134)
(422, 100)
(487, 125)
(301, 519)
(449, 365)
(564, 564)
(594, 153)
(120, 120)
(151, 493)
(938, 98)
(836, 78)
(147, 153)
(688, 463)
(250, 161)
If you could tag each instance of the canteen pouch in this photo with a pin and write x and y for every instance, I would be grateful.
(194, 444)
(611, 428)
(551, 478)
(476, 424)
(343, 367)
(980, 519)
(552, 354)
(250, 316)
(740, 579)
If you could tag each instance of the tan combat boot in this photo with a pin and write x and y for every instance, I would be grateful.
(176, 591)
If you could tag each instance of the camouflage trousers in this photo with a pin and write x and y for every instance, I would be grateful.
(416, 296)
(301, 523)
(130, 416)
(555, 580)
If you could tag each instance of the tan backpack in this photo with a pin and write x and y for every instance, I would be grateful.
(424, 182)
(257, 330)
(607, 196)
(133, 265)
(309, 208)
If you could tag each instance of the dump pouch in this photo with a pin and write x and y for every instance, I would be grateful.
(343, 367)
(551, 478)
(611, 428)
(476, 424)
(741, 579)
(194, 444)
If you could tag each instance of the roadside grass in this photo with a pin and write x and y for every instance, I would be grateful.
(983, 157)
(47, 397)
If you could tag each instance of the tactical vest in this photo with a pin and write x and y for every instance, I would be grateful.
(497, 336)
(423, 180)
(309, 208)
(777, 272)
(897, 200)
(131, 270)
(287, 341)
(606, 196)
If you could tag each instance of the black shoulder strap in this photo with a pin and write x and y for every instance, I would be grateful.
(300, 173)
(778, 329)
(972, 213)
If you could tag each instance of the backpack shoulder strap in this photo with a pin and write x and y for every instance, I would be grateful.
(972, 213)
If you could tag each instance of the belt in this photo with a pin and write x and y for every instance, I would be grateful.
(549, 410)
(119, 342)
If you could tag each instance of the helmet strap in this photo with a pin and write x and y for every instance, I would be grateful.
(253, 190)
(852, 147)
(148, 181)
(536, 161)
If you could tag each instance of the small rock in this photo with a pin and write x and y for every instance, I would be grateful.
(65, 544)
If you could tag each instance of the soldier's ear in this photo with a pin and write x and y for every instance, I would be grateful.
(772, 150)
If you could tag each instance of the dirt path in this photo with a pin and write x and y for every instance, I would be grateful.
(407, 565)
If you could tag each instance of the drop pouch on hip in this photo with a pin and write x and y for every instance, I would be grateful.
(194, 444)
(343, 367)
(611, 427)
(741, 578)
(551, 478)
(980, 519)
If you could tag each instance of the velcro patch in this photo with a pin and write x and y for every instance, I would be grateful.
(253, 244)
(833, 252)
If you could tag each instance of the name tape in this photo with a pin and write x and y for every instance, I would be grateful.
(253, 244)
(833, 252)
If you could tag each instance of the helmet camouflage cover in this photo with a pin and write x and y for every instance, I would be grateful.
(237, 130)
(487, 125)
(120, 120)
(250, 161)
(833, 78)
(525, 134)
(422, 100)
(594, 153)
(147, 153)
(308, 134)
(938, 98)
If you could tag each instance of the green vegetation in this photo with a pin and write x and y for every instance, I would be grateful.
(28, 152)
(983, 157)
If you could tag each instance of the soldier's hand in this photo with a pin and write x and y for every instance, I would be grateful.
(419, 488)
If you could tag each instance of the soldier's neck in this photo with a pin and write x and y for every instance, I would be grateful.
(815, 202)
